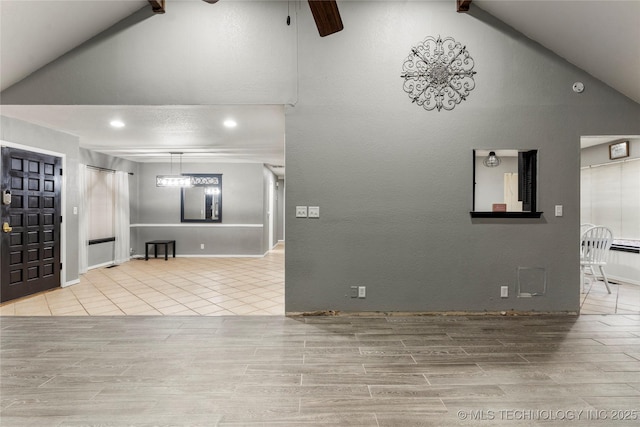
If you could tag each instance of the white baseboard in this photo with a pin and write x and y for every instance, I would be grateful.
(104, 264)
(203, 256)
(70, 283)
(622, 279)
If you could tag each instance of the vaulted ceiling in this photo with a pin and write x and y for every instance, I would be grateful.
(601, 37)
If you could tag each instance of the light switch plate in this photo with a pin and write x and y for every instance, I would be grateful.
(362, 291)
(301, 211)
(558, 210)
(314, 211)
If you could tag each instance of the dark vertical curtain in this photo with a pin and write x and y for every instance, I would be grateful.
(527, 179)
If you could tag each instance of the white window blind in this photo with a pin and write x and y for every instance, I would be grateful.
(610, 196)
(100, 194)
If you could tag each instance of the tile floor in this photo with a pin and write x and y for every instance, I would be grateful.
(179, 286)
(623, 299)
(219, 287)
(275, 371)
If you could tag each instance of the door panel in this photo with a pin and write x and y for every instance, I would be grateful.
(31, 248)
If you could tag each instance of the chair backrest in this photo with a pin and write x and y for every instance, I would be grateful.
(595, 244)
(585, 226)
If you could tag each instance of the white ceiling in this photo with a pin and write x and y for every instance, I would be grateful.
(152, 132)
(601, 37)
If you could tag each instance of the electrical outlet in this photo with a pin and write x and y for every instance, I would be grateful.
(201, 245)
(504, 292)
(354, 292)
(301, 211)
(362, 291)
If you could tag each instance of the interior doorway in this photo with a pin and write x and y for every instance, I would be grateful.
(610, 197)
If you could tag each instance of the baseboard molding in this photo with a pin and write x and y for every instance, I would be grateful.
(623, 280)
(104, 264)
(70, 283)
(201, 256)
(510, 313)
(196, 224)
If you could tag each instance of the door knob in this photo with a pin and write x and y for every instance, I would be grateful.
(6, 228)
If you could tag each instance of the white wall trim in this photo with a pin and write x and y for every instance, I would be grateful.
(72, 282)
(139, 257)
(199, 225)
(622, 279)
(104, 264)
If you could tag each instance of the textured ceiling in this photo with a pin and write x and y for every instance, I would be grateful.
(152, 132)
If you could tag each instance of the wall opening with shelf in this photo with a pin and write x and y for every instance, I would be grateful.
(505, 183)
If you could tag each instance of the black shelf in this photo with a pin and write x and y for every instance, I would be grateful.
(505, 214)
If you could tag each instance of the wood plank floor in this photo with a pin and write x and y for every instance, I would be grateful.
(319, 371)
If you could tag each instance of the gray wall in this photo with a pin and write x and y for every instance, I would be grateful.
(27, 134)
(103, 253)
(241, 230)
(241, 52)
(393, 181)
(599, 154)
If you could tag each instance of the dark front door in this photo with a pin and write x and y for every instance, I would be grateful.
(30, 244)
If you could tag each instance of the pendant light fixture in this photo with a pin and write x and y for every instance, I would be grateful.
(173, 180)
(491, 161)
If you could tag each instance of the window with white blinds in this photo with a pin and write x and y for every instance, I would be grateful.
(610, 196)
(100, 194)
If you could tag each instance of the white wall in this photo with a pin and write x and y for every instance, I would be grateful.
(490, 182)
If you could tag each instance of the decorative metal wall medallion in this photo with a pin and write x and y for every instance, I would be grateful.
(438, 73)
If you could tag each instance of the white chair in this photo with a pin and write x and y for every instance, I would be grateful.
(585, 226)
(594, 251)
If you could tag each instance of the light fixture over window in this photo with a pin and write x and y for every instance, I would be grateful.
(491, 161)
(173, 180)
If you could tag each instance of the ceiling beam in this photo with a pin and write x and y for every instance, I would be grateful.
(463, 5)
(327, 16)
(157, 6)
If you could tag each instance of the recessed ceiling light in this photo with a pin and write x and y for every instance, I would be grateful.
(117, 123)
(230, 123)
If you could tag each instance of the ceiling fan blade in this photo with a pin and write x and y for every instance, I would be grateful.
(327, 16)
